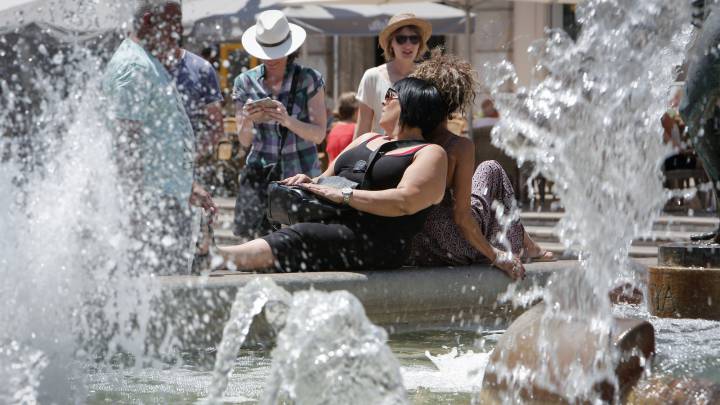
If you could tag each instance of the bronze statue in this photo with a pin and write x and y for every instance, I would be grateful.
(700, 105)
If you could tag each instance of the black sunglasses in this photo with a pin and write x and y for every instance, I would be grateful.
(401, 39)
(391, 94)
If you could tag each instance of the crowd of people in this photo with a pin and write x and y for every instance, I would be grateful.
(422, 202)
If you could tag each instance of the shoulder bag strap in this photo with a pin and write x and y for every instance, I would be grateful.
(380, 151)
(289, 108)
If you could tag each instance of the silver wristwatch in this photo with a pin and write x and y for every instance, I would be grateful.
(347, 192)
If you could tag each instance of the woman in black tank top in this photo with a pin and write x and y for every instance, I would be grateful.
(403, 184)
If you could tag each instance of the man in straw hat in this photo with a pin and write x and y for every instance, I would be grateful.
(154, 140)
(281, 116)
(403, 41)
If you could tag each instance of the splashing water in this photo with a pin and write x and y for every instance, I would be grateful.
(329, 352)
(590, 124)
(20, 371)
(69, 294)
(456, 370)
(249, 302)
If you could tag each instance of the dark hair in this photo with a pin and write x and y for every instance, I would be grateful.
(347, 107)
(421, 105)
(291, 58)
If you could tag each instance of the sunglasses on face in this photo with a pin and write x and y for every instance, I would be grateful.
(391, 94)
(401, 39)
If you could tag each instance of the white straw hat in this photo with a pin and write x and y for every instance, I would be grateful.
(272, 36)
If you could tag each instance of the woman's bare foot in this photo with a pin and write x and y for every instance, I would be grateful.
(532, 252)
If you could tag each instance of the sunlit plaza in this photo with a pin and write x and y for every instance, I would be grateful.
(359, 202)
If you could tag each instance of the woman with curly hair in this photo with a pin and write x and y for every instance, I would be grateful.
(463, 229)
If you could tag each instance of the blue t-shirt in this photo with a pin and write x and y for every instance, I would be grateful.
(199, 86)
(137, 88)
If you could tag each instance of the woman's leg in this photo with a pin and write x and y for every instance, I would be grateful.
(490, 183)
(252, 255)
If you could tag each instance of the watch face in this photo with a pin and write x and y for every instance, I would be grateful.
(346, 193)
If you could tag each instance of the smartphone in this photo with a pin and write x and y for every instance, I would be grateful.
(263, 102)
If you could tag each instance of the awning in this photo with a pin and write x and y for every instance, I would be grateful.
(369, 20)
(221, 20)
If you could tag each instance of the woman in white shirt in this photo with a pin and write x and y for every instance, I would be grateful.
(403, 41)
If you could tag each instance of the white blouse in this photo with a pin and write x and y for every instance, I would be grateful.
(371, 92)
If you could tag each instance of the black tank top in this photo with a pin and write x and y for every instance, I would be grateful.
(385, 174)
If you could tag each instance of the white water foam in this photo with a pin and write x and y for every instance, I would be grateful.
(589, 122)
(453, 371)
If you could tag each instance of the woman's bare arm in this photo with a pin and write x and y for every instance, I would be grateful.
(422, 185)
(245, 117)
(463, 153)
(364, 120)
(313, 131)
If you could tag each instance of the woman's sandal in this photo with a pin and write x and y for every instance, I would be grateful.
(544, 256)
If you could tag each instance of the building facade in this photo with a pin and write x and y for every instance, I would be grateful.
(503, 31)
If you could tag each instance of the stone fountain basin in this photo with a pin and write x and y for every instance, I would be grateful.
(408, 299)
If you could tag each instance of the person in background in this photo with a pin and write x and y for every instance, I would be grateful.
(199, 86)
(673, 130)
(404, 42)
(463, 229)
(488, 109)
(153, 140)
(342, 132)
(261, 127)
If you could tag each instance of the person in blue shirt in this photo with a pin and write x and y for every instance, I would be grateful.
(153, 141)
(199, 86)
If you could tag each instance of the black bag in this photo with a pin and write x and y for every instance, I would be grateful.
(288, 205)
(251, 203)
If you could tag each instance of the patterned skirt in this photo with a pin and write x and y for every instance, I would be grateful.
(441, 242)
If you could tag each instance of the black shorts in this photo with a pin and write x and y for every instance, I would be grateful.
(328, 247)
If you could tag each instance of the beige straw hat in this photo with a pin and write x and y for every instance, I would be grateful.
(403, 20)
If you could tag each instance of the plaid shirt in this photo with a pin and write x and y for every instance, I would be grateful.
(298, 155)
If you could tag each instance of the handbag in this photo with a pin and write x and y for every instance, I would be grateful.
(251, 203)
(289, 205)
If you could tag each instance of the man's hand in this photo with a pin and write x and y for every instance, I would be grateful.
(201, 198)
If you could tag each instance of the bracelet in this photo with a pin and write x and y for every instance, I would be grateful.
(494, 262)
